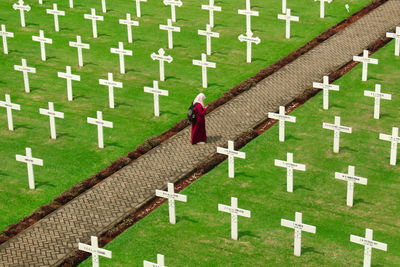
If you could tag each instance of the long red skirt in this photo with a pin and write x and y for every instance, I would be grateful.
(199, 128)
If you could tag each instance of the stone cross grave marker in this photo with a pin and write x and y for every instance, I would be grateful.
(94, 19)
(284, 6)
(129, 23)
(170, 29)
(231, 153)
(103, 6)
(30, 161)
(161, 58)
(365, 61)
(69, 77)
(9, 107)
(248, 13)
(156, 92)
(378, 96)
(235, 212)
(22, 8)
(79, 45)
(204, 65)
(208, 34)
(211, 8)
(337, 128)
(351, 178)
(138, 13)
(249, 39)
(394, 139)
(71, 3)
(290, 166)
(325, 86)
(396, 36)
(111, 84)
(52, 115)
(95, 250)
(40, 2)
(100, 124)
(43, 41)
(55, 12)
(4, 34)
(25, 70)
(160, 262)
(298, 227)
(282, 118)
(322, 7)
(173, 3)
(172, 196)
(368, 244)
(122, 53)
(288, 19)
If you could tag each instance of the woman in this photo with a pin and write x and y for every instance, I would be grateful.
(199, 135)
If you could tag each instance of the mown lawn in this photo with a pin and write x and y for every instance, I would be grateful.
(74, 155)
(201, 236)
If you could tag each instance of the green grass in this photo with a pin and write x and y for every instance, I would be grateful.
(201, 236)
(74, 155)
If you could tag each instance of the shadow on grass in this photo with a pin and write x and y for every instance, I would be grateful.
(213, 139)
(185, 218)
(218, 25)
(374, 78)
(122, 104)
(219, 53)
(360, 200)
(171, 78)
(306, 250)
(290, 137)
(346, 148)
(3, 174)
(257, 30)
(131, 70)
(243, 174)
(51, 58)
(114, 144)
(31, 24)
(66, 29)
(297, 187)
(40, 184)
(181, 19)
(62, 135)
(89, 63)
(2, 82)
(214, 84)
(80, 96)
(12, 51)
(180, 46)
(104, 34)
(247, 233)
(33, 89)
(169, 112)
(384, 115)
(22, 126)
(336, 106)
(139, 40)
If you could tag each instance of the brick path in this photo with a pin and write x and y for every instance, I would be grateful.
(53, 238)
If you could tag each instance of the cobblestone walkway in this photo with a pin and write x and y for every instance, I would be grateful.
(53, 238)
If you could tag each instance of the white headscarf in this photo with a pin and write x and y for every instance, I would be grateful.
(199, 99)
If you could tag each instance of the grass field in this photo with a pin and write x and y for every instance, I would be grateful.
(74, 155)
(201, 236)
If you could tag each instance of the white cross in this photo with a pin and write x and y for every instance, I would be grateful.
(30, 161)
(170, 29)
(55, 13)
(288, 19)
(69, 77)
(100, 124)
(322, 7)
(4, 34)
(52, 115)
(71, 3)
(9, 106)
(283, 6)
(211, 8)
(25, 69)
(231, 153)
(160, 262)
(122, 53)
(351, 178)
(42, 40)
(378, 96)
(111, 84)
(325, 86)
(249, 39)
(235, 212)
(368, 244)
(161, 58)
(22, 8)
(204, 65)
(103, 6)
(298, 227)
(172, 196)
(94, 19)
(282, 118)
(208, 34)
(396, 36)
(156, 92)
(365, 61)
(95, 250)
(394, 139)
(40, 2)
(248, 13)
(337, 128)
(129, 23)
(138, 13)
(79, 45)
(173, 3)
(290, 166)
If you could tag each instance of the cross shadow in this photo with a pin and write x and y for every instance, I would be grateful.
(247, 233)
(219, 53)
(89, 63)
(65, 29)
(336, 106)
(214, 84)
(139, 40)
(3, 173)
(130, 70)
(306, 250)
(290, 136)
(114, 144)
(22, 126)
(360, 200)
(296, 187)
(61, 135)
(213, 139)
(171, 78)
(33, 89)
(50, 58)
(185, 218)
(40, 184)
(31, 24)
(122, 104)
(12, 51)
(346, 148)
(180, 46)
(243, 174)
(257, 30)
(80, 96)
(2, 82)
(370, 77)
(258, 59)
(384, 115)
(103, 34)
(169, 112)
(217, 25)
(181, 19)
(375, 265)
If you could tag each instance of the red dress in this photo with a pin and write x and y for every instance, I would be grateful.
(199, 128)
